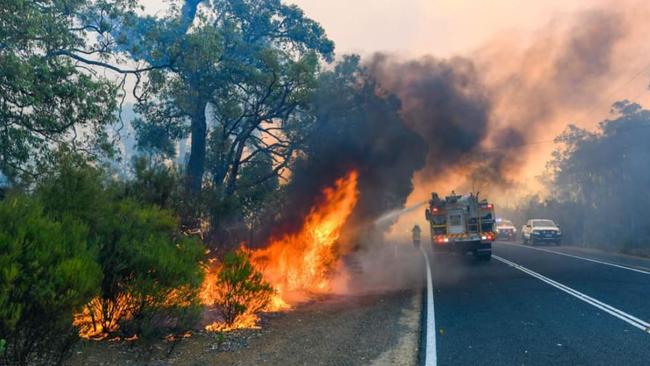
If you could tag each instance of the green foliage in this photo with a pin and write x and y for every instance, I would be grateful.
(74, 188)
(155, 140)
(598, 182)
(242, 287)
(154, 184)
(241, 216)
(149, 269)
(48, 272)
(46, 98)
(251, 62)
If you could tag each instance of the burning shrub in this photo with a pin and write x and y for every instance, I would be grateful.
(48, 273)
(151, 273)
(241, 291)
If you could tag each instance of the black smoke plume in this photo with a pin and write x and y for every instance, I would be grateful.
(445, 102)
(355, 127)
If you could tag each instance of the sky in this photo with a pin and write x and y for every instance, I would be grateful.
(421, 27)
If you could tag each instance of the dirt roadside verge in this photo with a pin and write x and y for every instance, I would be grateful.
(378, 329)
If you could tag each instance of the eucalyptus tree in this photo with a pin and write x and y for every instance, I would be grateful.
(57, 62)
(240, 72)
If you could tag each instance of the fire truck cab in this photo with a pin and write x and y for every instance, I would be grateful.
(461, 224)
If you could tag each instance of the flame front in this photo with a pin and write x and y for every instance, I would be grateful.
(300, 263)
(295, 264)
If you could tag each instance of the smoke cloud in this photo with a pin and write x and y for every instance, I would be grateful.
(445, 102)
(355, 127)
(570, 71)
(489, 118)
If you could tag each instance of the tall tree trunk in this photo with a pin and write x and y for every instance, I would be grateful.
(231, 186)
(196, 165)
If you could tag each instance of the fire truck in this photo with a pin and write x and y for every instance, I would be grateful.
(461, 224)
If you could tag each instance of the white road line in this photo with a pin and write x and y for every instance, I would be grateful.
(583, 258)
(430, 356)
(630, 319)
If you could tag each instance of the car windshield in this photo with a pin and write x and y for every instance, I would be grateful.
(540, 223)
(505, 223)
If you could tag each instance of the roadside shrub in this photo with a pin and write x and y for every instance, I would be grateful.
(242, 289)
(47, 272)
(151, 273)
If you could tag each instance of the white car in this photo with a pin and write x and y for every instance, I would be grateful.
(541, 231)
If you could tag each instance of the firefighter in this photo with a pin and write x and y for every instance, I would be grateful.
(416, 235)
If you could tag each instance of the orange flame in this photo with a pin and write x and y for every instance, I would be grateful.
(300, 263)
(94, 321)
(295, 265)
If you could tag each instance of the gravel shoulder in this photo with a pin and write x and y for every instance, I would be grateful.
(378, 329)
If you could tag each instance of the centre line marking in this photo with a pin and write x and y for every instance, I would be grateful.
(630, 319)
(430, 356)
(583, 258)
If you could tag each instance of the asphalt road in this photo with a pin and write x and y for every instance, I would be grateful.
(496, 314)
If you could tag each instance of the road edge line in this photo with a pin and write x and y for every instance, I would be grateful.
(630, 319)
(583, 258)
(430, 354)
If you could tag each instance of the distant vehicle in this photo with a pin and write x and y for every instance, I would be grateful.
(461, 224)
(506, 230)
(541, 231)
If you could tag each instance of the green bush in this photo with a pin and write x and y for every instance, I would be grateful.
(47, 272)
(151, 273)
(154, 184)
(242, 289)
(145, 259)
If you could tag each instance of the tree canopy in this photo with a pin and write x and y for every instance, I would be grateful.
(597, 182)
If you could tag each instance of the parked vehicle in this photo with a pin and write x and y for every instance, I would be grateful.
(538, 231)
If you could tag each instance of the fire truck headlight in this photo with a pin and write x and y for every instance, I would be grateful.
(446, 240)
(483, 237)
